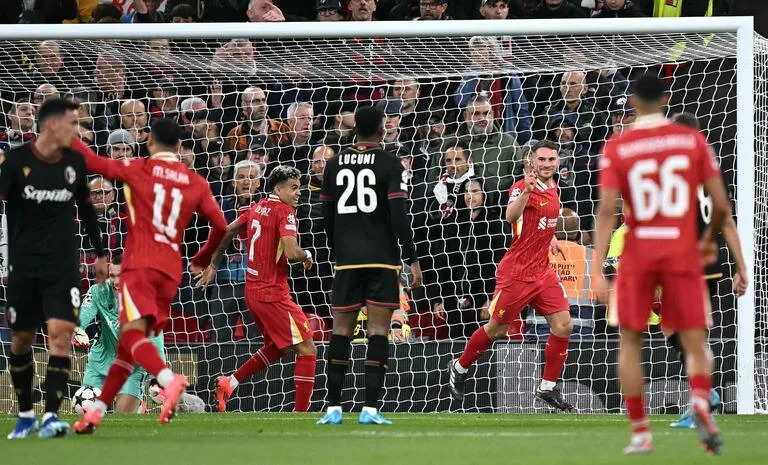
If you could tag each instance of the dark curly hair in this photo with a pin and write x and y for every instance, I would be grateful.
(281, 174)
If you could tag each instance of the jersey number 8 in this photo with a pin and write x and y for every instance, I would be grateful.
(669, 196)
(366, 197)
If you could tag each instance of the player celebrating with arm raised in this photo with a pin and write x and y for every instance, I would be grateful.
(162, 195)
(272, 244)
(364, 193)
(42, 182)
(525, 277)
(656, 166)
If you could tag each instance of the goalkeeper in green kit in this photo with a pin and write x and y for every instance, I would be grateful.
(101, 300)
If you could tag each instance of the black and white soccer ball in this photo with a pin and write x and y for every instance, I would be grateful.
(85, 399)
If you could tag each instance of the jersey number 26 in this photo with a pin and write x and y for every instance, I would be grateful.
(366, 197)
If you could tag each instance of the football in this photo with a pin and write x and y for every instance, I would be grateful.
(84, 398)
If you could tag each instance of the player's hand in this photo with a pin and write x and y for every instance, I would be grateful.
(484, 313)
(708, 251)
(601, 287)
(418, 278)
(740, 282)
(554, 247)
(530, 181)
(101, 269)
(308, 262)
(206, 276)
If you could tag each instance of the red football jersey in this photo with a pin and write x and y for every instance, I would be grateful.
(267, 222)
(657, 166)
(528, 256)
(161, 194)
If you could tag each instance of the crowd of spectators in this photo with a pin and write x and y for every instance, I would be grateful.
(463, 140)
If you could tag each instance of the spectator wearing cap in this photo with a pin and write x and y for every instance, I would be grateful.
(431, 10)
(228, 294)
(622, 114)
(312, 286)
(429, 145)
(258, 151)
(134, 118)
(253, 112)
(21, 126)
(490, 76)
(296, 150)
(218, 170)
(361, 10)
(146, 11)
(619, 9)
(121, 145)
(501, 9)
(552, 9)
(328, 10)
(341, 133)
(394, 138)
(496, 155)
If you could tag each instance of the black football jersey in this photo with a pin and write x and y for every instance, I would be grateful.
(41, 211)
(357, 185)
(720, 268)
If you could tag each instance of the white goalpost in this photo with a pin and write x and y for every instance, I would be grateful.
(237, 89)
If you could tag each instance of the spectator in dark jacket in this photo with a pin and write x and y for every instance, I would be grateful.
(312, 286)
(551, 9)
(619, 9)
(484, 239)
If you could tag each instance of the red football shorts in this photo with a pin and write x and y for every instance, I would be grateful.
(685, 300)
(146, 293)
(546, 296)
(282, 322)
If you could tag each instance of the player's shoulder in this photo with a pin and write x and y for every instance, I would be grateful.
(19, 153)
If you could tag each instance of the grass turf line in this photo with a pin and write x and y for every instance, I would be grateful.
(466, 439)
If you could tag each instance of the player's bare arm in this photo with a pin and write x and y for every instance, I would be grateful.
(206, 276)
(294, 253)
(605, 222)
(721, 208)
(731, 235)
(516, 206)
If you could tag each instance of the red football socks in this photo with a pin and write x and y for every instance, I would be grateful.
(263, 358)
(142, 350)
(304, 378)
(636, 414)
(555, 354)
(700, 387)
(476, 347)
(120, 370)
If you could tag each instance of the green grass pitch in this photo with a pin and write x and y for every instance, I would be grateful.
(413, 439)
